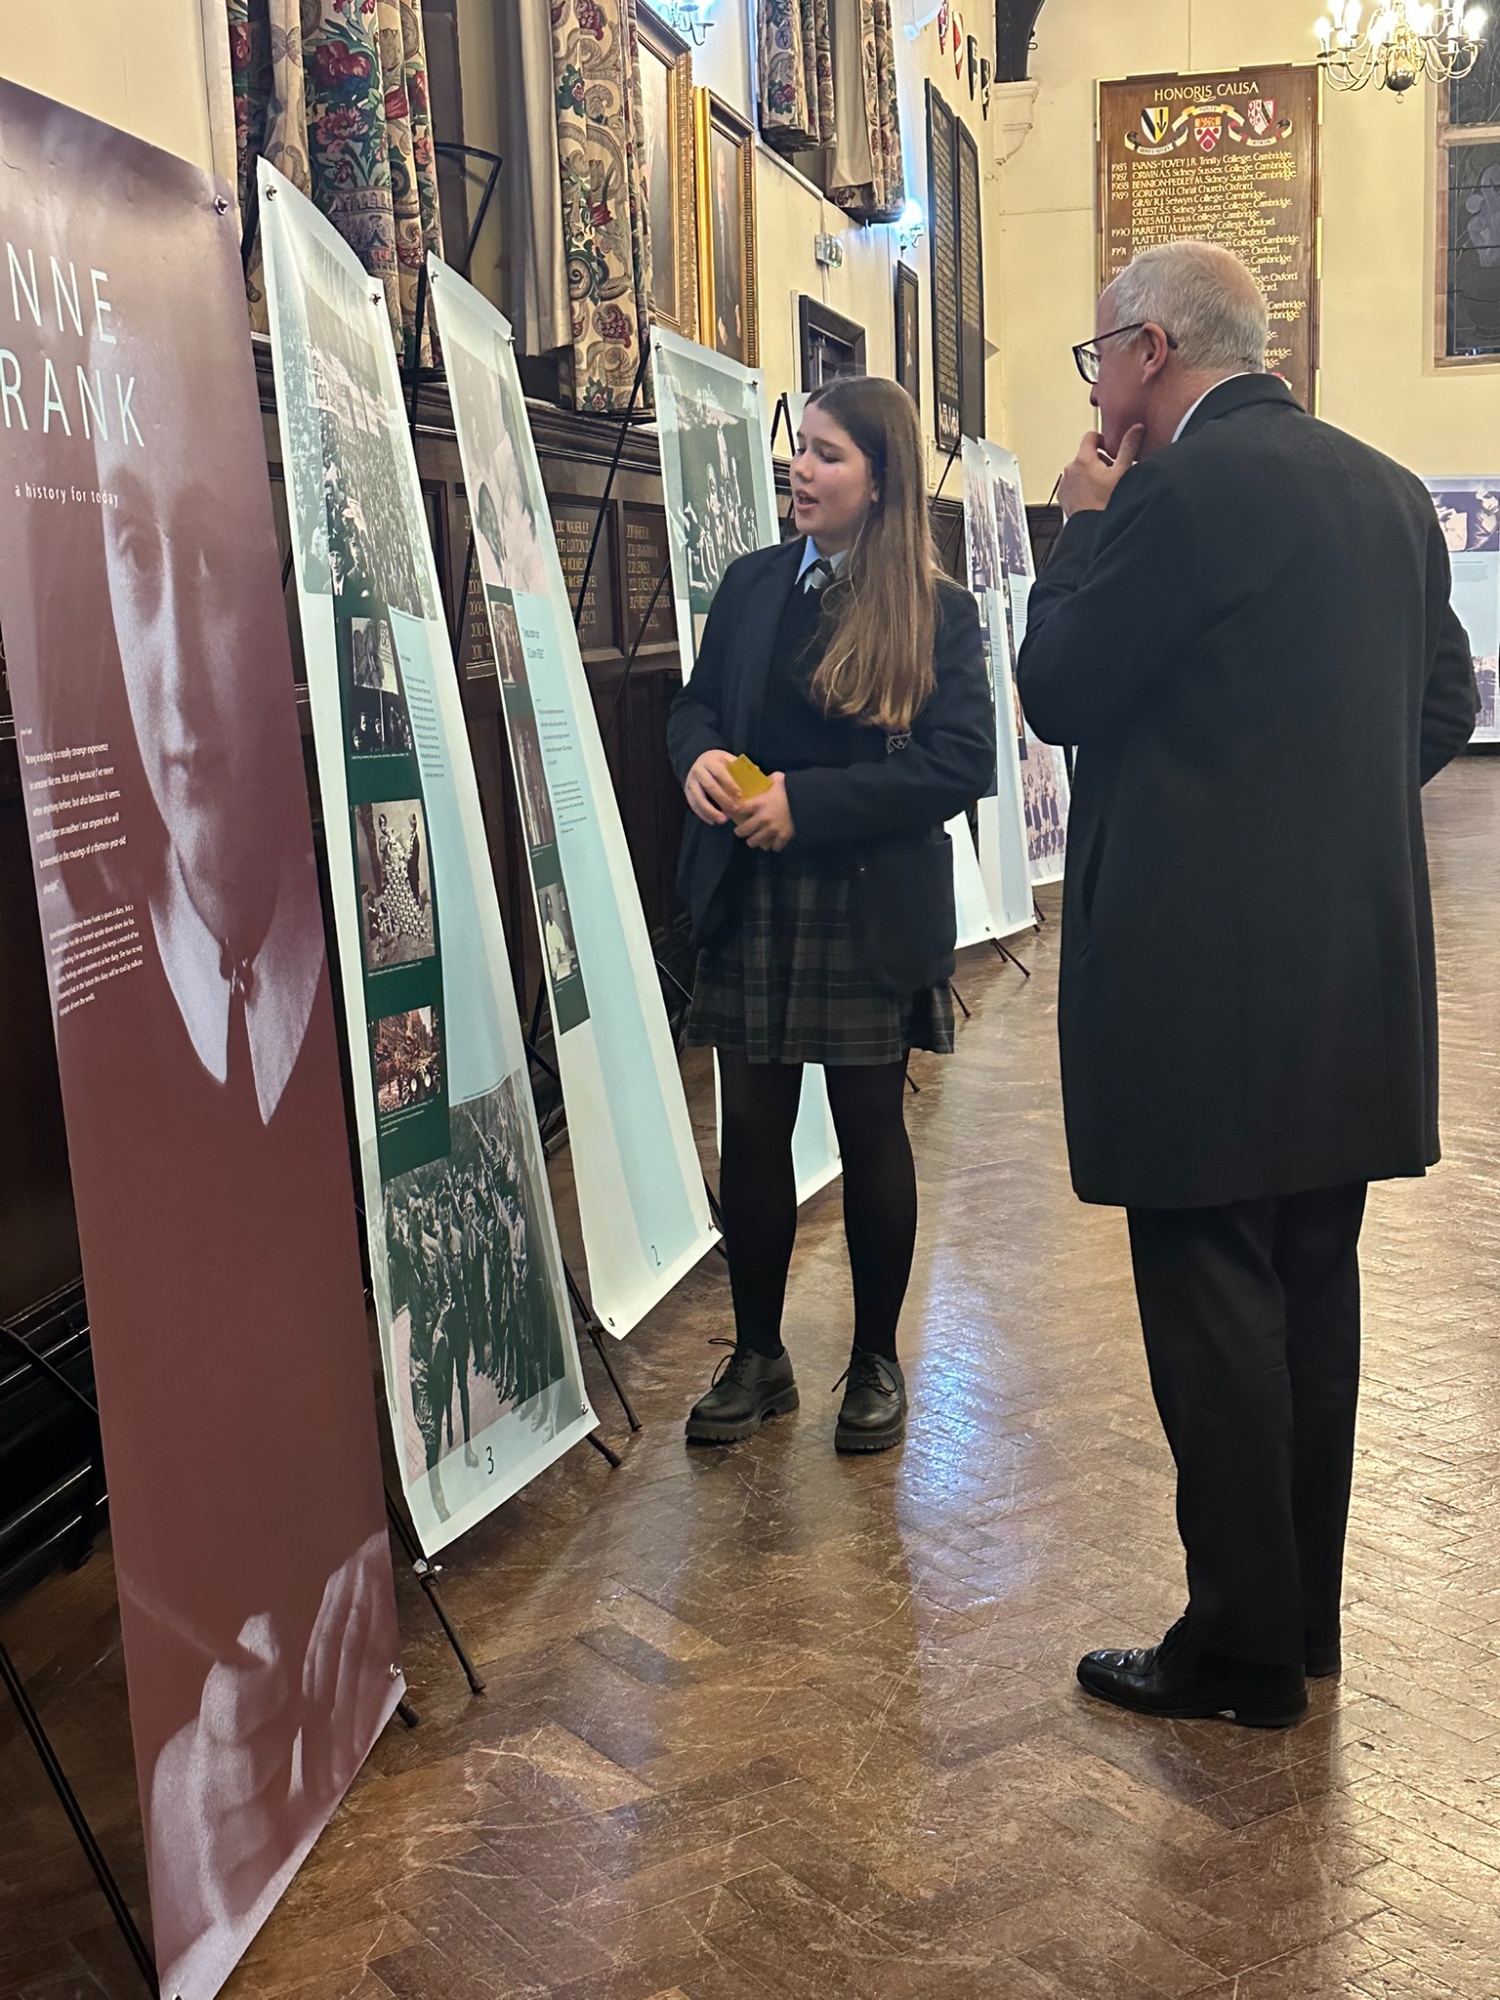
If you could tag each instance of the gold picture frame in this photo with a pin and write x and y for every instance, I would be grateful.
(728, 303)
(668, 164)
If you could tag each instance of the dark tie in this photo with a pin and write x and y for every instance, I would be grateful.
(239, 1077)
(816, 575)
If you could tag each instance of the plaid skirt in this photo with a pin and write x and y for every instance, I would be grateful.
(782, 982)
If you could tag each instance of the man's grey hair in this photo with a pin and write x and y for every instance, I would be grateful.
(1205, 298)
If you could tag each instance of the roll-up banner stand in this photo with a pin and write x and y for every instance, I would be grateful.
(161, 769)
(642, 1204)
(721, 503)
(1469, 511)
(481, 1360)
(1003, 855)
(1045, 787)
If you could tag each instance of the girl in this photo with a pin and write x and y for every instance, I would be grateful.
(852, 673)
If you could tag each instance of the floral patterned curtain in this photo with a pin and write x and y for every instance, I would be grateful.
(606, 233)
(882, 198)
(334, 94)
(795, 43)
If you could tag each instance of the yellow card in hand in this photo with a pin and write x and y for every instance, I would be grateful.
(750, 778)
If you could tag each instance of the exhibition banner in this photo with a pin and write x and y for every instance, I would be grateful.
(1469, 510)
(1004, 859)
(721, 503)
(1045, 787)
(161, 770)
(642, 1204)
(481, 1361)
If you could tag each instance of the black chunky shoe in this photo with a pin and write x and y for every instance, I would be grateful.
(1167, 1680)
(873, 1414)
(747, 1388)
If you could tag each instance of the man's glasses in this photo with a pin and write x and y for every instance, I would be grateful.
(1086, 353)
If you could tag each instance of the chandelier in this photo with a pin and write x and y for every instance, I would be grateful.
(1400, 45)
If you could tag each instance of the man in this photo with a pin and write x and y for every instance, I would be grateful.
(1247, 636)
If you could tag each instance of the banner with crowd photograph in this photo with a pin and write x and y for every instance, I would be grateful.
(1004, 856)
(161, 768)
(1469, 510)
(1045, 786)
(481, 1359)
(642, 1204)
(721, 503)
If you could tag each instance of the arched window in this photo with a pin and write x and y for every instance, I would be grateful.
(1469, 212)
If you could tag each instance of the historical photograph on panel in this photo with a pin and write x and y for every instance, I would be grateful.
(510, 650)
(1015, 536)
(1470, 519)
(395, 887)
(408, 1057)
(981, 530)
(374, 698)
(374, 557)
(1046, 810)
(557, 931)
(475, 1318)
(531, 782)
(505, 511)
(715, 466)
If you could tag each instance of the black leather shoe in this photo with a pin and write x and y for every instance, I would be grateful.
(1322, 1654)
(1167, 1680)
(747, 1388)
(873, 1414)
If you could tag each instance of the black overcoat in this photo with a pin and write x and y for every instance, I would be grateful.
(884, 815)
(1254, 652)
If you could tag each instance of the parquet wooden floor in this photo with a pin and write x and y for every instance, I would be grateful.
(765, 1722)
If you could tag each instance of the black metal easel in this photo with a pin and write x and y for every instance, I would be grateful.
(427, 1574)
(15, 1687)
(31, 1722)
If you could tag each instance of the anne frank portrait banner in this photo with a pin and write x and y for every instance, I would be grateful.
(481, 1361)
(161, 771)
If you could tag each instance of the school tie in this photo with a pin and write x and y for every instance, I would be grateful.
(816, 575)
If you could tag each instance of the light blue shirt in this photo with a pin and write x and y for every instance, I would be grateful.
(811, 553)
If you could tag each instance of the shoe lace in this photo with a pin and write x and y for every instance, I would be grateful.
(732, 1367)
(866, 1371)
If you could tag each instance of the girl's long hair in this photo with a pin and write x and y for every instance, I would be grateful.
(881, 610)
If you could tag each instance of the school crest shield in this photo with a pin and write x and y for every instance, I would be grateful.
(1208, 129)
(1156, 121)
(1261, 111)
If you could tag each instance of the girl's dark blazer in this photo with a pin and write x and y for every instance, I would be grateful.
(885, 814)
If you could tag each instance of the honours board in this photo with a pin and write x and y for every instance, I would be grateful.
(1228, 157)
(947, 333)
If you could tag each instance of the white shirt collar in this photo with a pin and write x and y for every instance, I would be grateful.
(287, 969)
(811, 553)
(1238, 375)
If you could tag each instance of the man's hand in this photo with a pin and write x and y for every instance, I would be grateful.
(711, 793)
(1088, 484)
(766, 820)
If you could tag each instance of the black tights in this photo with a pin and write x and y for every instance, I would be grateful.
(758, 1193)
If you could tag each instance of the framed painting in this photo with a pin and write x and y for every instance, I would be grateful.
(833, 347)
(667, 172)
(728, 312)
(909, 332)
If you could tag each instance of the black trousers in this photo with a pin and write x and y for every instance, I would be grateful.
(1251, 1319)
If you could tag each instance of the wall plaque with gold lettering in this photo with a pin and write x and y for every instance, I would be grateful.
(643, 530)
(1230, 157)
(573, 524)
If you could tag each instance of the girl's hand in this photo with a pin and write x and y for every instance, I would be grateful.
(711, 793)
(766, 820)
